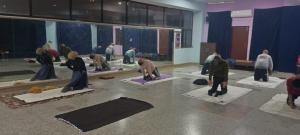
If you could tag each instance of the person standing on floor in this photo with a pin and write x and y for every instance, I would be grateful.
(46, 71)
(207, 62)
(100, 63)
(79, 78)
(109, 52)
(148, 69)
(263, 66)
(130, 54)
(218, 75)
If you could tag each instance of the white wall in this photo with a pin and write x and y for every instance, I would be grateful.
(191, 55)
(94, 35)
(51, 33)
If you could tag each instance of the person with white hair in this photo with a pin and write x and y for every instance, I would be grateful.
(46, 71)
(263, 66)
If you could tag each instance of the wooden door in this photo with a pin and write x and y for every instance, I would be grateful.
(239, 45)
(164, 42)
(206, 50)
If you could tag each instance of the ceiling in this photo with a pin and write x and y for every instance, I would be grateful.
(215, 1)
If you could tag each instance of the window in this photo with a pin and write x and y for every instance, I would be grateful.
(15, 7)
(137, 13)
(155, 16)
(51, 8)
(173, 17)
(187, 30)
(187, 19)
(114, 11)
(89, 10)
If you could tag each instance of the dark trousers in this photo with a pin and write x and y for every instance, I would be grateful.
(105, 67)
(79, 81)
(205, 69)
(127, 60)
(216, 82)
(46, 72)
(261, 74)
(108, 57)
(155, 72)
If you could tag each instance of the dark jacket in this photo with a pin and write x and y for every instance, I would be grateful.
(219, 70)
(76, 65)
(44, 59)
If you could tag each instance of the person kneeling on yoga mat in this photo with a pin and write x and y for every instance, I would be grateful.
(99, 62)
(218, 72)
(110, 52)
(148, 69)
(79, 78)
(47, 69)
(293, 88)
(263, 66)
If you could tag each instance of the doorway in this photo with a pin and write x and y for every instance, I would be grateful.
(240, 36)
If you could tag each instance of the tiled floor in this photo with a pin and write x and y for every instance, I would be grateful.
(173, 113)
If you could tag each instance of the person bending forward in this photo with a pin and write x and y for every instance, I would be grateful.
(46, 71)
(79, 78)
(263, 66)
(148, 69)
(218, 75)
(100, 63)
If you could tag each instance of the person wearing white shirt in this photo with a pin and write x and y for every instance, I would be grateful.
(263, 66)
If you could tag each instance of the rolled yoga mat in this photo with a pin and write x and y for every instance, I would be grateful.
(96, 116)
(17, 72)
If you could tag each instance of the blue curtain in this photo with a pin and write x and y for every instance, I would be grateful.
(105, 36)
(266, 33)
(289, 45)
(149, 41)
(220, 29)
(77, 36)
(144, 40)
(132, 38)
(22, 37)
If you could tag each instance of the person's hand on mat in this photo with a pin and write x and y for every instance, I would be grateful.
(209, 82)
(225, 84)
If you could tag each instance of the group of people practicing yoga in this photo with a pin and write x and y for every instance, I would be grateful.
(217, 68)
(46, 56)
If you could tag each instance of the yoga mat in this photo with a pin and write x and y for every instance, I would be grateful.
(25, 81)
(278, 106)
(49, 94)
(96, 116)
(232, 94)
(198, 74)
(272, 83)
(140, 80)
(17, 72)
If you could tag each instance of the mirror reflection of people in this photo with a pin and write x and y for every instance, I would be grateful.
(79, 78)
(65, 50)
(293, 88)
(46, 71)
(263, 66)
(53, 53)
(100, 63)
(129, 57)
(207, 62)
(148, 69)
(218, 75)
(109, 52)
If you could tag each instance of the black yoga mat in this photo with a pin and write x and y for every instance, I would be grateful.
(96, 116)
(18, 72)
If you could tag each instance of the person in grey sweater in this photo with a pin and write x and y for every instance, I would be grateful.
(263, 66)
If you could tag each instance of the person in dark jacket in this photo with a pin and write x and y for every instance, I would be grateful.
(293, 89)
(79, 78)
(65, 50)
(46, 71)
(218, 72)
